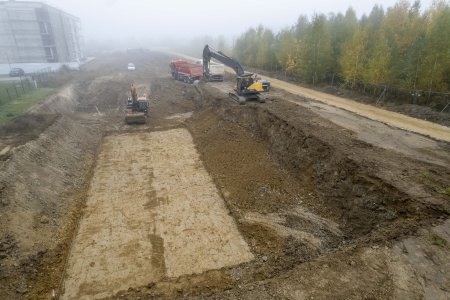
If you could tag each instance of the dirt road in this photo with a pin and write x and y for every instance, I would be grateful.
(387, 117)
(390, 118)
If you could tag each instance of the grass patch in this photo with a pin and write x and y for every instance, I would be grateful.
(10, 90)
(428, 180)
(445, 191)
(18, 106)
(438, 241)
(425, 175)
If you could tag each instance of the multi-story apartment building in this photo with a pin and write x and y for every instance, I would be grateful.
(34, 32)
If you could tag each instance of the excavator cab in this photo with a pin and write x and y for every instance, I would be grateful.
(242, 83)
(247, 88)
(247, 85)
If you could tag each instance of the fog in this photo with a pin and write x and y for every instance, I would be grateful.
(139, 22)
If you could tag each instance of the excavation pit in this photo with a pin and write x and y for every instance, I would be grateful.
(325, 212)
(152, 212)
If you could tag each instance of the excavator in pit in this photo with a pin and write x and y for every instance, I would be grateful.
(248, 85)
(137, 106)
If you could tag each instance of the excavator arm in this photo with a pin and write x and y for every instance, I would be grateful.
(209, 53)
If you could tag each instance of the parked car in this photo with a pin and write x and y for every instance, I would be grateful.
(15, 72)
(131, 67)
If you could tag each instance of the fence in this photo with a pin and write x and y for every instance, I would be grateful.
(12, 90)
(439, 101)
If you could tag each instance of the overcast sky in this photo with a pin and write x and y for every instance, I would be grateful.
(153, 19)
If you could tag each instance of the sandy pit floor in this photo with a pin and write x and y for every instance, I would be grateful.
(152, 212)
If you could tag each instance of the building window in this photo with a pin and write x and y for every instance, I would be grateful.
(50, 54)
(45, 28)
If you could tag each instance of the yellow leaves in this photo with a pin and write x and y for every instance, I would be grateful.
(290, 64)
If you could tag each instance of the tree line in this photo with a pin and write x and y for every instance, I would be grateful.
(403, 49)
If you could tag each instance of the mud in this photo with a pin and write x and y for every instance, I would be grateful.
(323, 212)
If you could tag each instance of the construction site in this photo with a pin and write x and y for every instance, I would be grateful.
(303, 196)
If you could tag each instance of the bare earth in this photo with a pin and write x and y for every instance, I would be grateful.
(152, 212)
(373, 132)
(294, 198)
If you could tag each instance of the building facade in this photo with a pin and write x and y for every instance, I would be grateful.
(34, 32)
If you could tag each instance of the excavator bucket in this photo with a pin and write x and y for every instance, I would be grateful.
(135, 118)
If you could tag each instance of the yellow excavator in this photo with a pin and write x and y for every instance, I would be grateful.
(248, 85)
(137, 107)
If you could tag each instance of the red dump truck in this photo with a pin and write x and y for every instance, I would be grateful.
(186, 71)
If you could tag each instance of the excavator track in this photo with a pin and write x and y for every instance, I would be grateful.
(239, 99)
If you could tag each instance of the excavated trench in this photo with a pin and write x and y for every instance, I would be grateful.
(336, 167)
(206, 178)
(297, 186)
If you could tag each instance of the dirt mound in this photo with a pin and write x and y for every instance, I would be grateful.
(63, 102)
(25, 128)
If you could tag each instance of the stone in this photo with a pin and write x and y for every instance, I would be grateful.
(44, 220)
(5, 153)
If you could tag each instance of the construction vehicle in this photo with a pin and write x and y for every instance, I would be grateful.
(137, 106)
(185, 71)
(248, 86)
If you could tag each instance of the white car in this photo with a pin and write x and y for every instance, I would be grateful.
(131, 67)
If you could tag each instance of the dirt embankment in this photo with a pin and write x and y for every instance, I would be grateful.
(43, 178)
(364, 187)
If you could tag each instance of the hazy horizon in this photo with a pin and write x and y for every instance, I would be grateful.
(139, 22)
